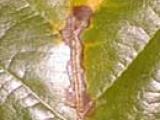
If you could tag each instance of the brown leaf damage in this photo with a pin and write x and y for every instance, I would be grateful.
(76, 94)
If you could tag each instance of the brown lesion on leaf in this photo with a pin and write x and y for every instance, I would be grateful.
(76, 94)
(82, 13)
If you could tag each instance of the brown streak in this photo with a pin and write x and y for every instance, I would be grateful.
(76, 24)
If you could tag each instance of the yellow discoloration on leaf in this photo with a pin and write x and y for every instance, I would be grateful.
(77, 2)
(94, 4)
(56, 28)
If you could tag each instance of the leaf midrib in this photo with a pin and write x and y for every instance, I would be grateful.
(34, 94)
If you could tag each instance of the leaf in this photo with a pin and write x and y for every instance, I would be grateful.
(135, 94)
(11, 110)
(121, 59)
(27, 41)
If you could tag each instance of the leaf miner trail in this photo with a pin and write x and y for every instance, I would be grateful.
(76, 23)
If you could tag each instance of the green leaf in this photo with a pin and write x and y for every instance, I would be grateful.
(121, 59)
(11, 110)
(27, 41)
